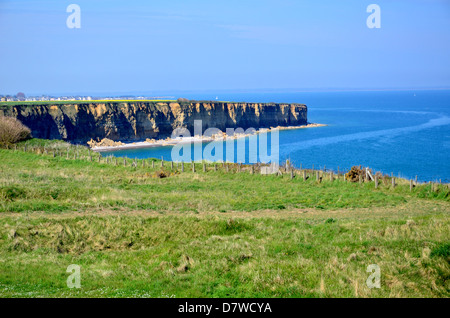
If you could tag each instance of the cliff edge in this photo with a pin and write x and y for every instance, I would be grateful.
(135, 121)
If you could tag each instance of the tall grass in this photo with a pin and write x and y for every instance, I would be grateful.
(276, 255)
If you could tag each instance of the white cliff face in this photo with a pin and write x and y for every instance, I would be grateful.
(133, 121)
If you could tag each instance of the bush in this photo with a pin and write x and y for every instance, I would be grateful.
(12, 131)
(355, 172)
(160, 174)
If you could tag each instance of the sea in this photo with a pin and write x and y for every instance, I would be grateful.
(403, 133)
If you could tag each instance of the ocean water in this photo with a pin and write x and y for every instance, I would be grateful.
(406, 133)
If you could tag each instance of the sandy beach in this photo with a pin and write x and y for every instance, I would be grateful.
(174, 141)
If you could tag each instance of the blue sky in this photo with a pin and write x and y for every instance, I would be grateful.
(164, 46)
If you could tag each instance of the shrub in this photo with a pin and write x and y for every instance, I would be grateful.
(355, 172)
(160, 174)
(12, 131)
(182, 100)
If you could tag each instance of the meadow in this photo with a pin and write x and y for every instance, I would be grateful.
(77, 102)
(146, 229)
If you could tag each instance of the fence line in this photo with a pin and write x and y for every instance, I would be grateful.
(320, 175)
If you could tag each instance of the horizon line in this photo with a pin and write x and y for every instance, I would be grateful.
(163, 93)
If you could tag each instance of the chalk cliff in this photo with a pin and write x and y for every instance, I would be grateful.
(134, 121)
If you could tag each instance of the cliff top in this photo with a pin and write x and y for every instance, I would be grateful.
(154, 101)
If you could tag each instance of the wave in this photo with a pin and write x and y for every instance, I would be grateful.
(300, 145)
(414, 112)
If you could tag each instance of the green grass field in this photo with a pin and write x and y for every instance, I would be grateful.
(211, 234)
(73, 102)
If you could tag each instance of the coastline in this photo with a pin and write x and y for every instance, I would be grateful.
(152, 143)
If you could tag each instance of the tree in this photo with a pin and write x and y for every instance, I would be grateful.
(20, 96)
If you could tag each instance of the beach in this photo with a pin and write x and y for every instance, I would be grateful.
(109, 145)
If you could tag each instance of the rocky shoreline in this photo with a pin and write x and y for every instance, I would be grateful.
(110, 145)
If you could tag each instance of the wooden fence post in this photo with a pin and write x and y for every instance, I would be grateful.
(292, 174)
(182, 166)
(410, 185)
(331, 176)
(376, 181)
(193, 166)
(393, 182)
(304, 175)
(171, 165)
(204, 167)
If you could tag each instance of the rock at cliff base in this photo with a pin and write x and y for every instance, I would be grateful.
(105, 142)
